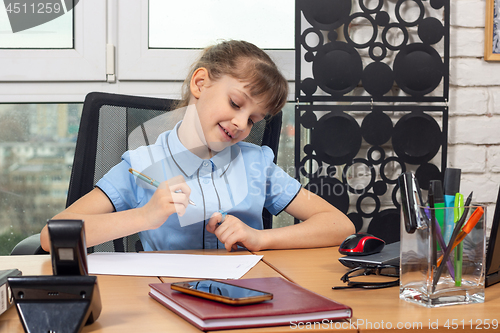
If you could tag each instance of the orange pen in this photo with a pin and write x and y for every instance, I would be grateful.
(474, 218)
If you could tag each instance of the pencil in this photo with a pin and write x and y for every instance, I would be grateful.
(151, 181)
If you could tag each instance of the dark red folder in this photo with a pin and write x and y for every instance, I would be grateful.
(291, 305)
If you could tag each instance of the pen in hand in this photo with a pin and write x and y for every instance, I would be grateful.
(151, 181)
(224, 214)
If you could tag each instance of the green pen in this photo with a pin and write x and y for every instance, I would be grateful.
(151, 181)
(459, 210)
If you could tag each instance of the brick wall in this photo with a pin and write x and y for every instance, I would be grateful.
(474, 106)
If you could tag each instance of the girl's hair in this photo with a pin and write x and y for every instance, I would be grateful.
(243, 61)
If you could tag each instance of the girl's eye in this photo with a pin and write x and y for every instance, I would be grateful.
(233, 104)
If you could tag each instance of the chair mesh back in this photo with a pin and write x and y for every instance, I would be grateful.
(111, 139)
(112, 124)
(257, 133)
(116, 123)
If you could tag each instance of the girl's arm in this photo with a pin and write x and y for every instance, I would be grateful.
(103, 224)
(322, 225)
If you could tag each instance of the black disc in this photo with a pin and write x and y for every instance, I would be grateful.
(418, 69)
(431, 30)
(336, 138)
(416, 138)
(377, 128)
(377, 78)
(386, 225)
(337, 68)
(325, 14)
(427, 172)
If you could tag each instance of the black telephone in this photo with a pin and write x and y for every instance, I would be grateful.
(69, 299)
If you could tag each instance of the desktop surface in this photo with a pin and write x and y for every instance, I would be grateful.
(379, 309)
(126, 305)
(128, 308)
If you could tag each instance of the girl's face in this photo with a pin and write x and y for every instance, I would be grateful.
(226, 110)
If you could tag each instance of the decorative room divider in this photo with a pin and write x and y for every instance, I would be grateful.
(371, 89)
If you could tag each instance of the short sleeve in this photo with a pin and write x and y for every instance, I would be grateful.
(281, 188)
(121, 186)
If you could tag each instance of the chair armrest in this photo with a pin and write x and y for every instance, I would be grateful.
(28, 246)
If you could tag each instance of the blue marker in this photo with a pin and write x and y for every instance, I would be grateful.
(451, 188)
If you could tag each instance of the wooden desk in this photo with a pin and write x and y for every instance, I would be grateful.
(373, 310)
(126, 306)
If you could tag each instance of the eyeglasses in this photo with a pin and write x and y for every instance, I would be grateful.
(382, 270)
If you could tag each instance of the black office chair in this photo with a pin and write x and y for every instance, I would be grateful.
(112, 124)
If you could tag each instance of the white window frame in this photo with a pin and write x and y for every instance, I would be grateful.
(67, 76)
(59, 75)
(85, 62)
(137, 62)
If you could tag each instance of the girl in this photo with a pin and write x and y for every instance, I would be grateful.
(203, 160)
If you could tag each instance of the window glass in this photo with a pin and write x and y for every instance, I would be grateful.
(267, 24)
(54, 29)
(286, 156)
(37, 145)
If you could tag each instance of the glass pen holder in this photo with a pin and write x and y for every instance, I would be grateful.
(461, 280)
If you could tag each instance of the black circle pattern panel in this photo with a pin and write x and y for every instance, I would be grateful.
(372, 50)
(355, 153)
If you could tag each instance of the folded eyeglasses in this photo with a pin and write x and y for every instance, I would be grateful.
(382, 270)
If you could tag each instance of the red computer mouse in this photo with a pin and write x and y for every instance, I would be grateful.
(361, 244)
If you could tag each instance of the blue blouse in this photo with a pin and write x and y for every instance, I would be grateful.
(241, 180)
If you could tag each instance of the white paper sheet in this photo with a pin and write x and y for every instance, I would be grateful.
(172, 265)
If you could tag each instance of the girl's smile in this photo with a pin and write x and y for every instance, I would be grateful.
(226, 134)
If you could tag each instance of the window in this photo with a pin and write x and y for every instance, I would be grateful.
(37, 144)
(54, 34)
(286, 153)
(267, 24)
(139, 60)
(84, 61)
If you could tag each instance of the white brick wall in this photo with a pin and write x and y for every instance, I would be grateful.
(474, 127)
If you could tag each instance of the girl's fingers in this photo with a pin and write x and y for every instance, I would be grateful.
(180, 201)
(214, 222)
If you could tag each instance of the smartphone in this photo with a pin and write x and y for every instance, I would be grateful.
(222, 292)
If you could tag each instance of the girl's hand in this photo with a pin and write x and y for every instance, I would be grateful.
(233, 232)
(172, 196)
